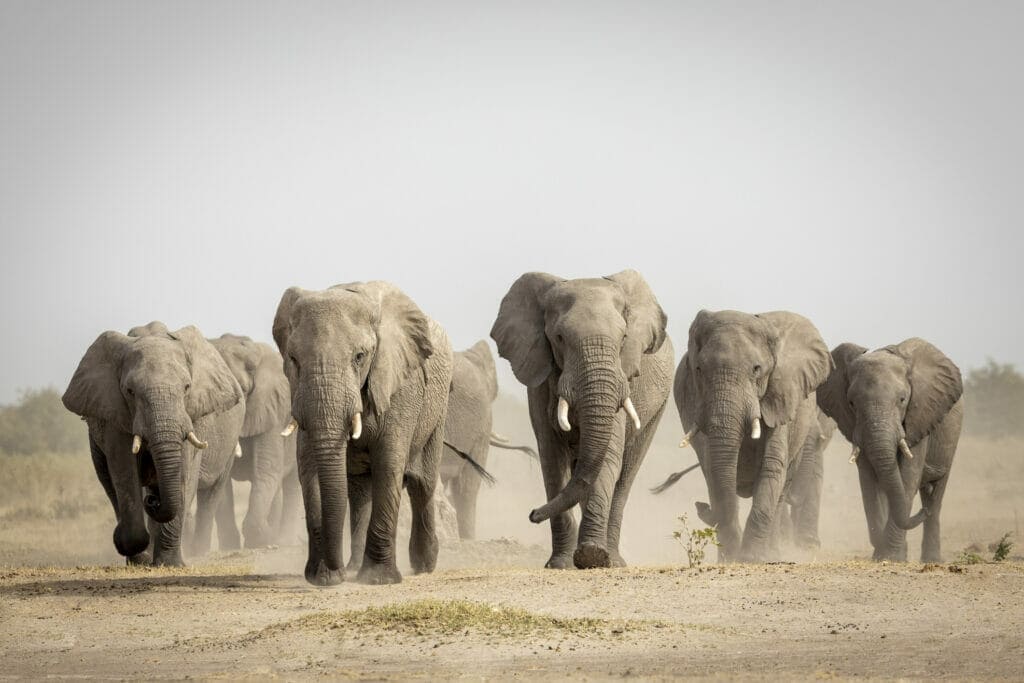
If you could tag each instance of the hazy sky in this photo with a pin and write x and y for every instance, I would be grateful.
(860, 163)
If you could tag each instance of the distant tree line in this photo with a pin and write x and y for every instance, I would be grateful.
(994, 400)
(38, 423)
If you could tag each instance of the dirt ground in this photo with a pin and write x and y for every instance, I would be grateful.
(69, 608)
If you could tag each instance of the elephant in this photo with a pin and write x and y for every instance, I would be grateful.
(267, 459)
(467, 432)
(369, 375)
(901, 407)
(164, 413)
(740, 371)
(596, 360)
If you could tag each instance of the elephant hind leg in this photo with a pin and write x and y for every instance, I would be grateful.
(423, 539)
(931, 499)
(465, 489)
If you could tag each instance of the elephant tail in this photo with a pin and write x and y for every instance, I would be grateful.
(499, 441)
(672, 479)
(477, 467)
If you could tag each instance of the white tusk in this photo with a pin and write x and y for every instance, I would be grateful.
(854, 454)
(563, 415)
(290, 429)
(238, 449)
(687, 436)
(755, 429)
(196, 441)
(906, 449)
(631, 411)
(499, 437)
(357, 426)
(136, 444)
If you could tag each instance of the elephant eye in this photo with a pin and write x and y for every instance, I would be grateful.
(360, 357)
(187, 387)
(902, 399)
(294, 362)
(131, 392)
(757, 369)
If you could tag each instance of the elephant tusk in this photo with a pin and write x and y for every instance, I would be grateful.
(687, 436)
(196, 441)
(755, 429)
(136, 444)
(357, 426)
(238, 449)
(563, 414)
(290, 429)
(854, 454)
(631, 411)
(905, 449)
(500, 438)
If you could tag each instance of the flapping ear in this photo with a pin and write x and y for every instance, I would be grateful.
(645, 321)
(519, 329)
(802, 363)
(403, 341)
(684, 390)
(479, 354)
(935, 385)
(832, 397)
(95, 388)
(214, 388)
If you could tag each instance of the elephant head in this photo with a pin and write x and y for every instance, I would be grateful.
(586, 339)
(346, 350)
(885, 402)
(153, 385)
(740, 370)
(259, 371)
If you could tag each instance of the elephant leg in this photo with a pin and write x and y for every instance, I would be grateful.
(592, 548)
(872, 504)
(808, 485)
(379, 560)
(423, 537)
(555, 470)
(290, 507)
(632, 457)
(465, 489)
(228, 537)
(99, 463)
(768, 491)
(774, 546)
(360, 497)
(931, 498)
(208, 502)
(267, 456)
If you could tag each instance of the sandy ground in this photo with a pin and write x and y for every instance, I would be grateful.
(69, 608)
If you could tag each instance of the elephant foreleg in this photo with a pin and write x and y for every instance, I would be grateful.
(423, 537)
(465, 489)
(228, 537)
(291, 504)
(379, 561)
(768, 490)
(208, 502)
(360, 490)
(931, 498)
(554, 465)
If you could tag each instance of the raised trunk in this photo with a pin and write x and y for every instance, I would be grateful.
(166, 453)
(599, 395)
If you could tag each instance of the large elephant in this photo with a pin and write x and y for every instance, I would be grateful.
(467, 432)
(741, 370)
(597, 363)
(901, 407)
(369, 375)
(164, 414)
(267, 458)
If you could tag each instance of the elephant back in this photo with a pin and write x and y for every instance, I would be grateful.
(468, 424)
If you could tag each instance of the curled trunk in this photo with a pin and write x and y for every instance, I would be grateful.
(882, 456)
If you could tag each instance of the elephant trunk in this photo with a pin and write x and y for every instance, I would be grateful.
(881, 453)
(166, 453)
(600, 390)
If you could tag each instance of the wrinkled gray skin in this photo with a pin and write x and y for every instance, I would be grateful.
(268, 459)
(800, 520)
(595, 343)
(908, 391)
(738, 368)
(365, 348)
(160, 386)
(467, 430)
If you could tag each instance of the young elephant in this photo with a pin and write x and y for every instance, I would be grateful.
(901, 408)
(164, 413)
(596, 361)
(467, 432)
(267, 458)
(369, 376)
(741, 370)
(804, 492)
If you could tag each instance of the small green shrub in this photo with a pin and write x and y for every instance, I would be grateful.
(695, 541)
(1003, 548)
(968, 557)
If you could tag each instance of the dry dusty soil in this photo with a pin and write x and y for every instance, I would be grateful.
(231, 617)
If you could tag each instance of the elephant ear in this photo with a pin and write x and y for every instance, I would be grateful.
(403, 341)
(214, 388)
(645, 321)
(242, 356)
(95, 388)
(268, 405)
(519, 329)
(685, 392)
(832, 398)
(935, 385)
(480, 356)
(802, 363)
(283, 322)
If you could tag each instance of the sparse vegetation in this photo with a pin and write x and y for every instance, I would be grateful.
(38, 423)
(1002, 548)
(967, 556)
(994, 400)
(695, 541)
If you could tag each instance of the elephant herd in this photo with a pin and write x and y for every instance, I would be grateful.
(364, 397)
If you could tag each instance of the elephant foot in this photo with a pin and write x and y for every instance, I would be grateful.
(318, 574)
(591, 556)
(143, 559)
(423, 556)
(616, 559)
(171, 559)
(559, 561)
(704, 513)
(378, 574)
(808, 542)
(355, 563)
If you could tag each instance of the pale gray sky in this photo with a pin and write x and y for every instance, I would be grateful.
(860, 163)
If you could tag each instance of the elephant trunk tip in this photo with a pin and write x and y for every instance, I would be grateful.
(537, 516)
